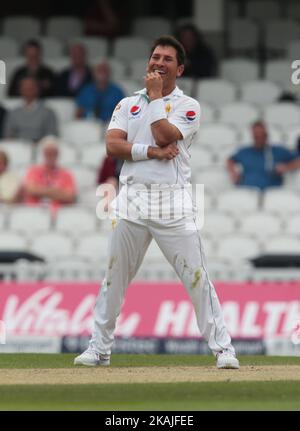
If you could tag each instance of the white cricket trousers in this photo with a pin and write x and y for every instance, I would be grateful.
(183, 249)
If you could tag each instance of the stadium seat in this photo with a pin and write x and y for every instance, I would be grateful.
(262, 10)
(282, 114)
(215, 178)
(64, 28)
(12, 63)
(81, 132)
(293, 10)
(13, 242)
(293, 137)
(137, 70)
(260, 92)
(238, 200)
(93, 246)
(75, 221)
(21, 28)
(200, 157)
(218, 224)
(239, 70)
(129, 48)
(30, 220)
(279, 71)
(275, 135)
(85, 177)
(11, 102)
(292, 180)
(242, 36)
(129, 86)
(239, 114)
(216, 92)
(72, 268)
(2, 220)
(52, 48)
(293, 49)
(281, 201)
(208, 113)
(93, 155)
(52, 245)
(96, 47)
(217, 135)
(292, 225)
(237, 247)
(8, 48)
(260, 224)
(283, 244)
(278, 33)
(151, 27)
(64, 109)
(19, 152)
(67, 154)
(186, 85)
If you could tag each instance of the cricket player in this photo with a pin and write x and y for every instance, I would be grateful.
(152, 132)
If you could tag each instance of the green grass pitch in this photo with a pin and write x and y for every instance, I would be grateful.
(224, 395)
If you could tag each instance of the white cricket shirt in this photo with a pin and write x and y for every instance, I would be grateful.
(131, 116)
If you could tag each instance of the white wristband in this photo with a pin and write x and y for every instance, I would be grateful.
(139, 152)
(157, 110)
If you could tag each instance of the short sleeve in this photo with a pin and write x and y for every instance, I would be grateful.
(119, 119)
(237, 157)
(186, 117)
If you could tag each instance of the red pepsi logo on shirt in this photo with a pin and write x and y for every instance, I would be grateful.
(190, 115)
(135, 110)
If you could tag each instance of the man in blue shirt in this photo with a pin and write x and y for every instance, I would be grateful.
(99, 98)
(261, 165)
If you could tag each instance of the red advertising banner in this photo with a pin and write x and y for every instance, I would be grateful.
(254, 310)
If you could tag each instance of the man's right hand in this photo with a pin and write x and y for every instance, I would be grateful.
(167, 152)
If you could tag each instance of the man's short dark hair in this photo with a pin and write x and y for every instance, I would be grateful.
(170, 41)
(32, 43)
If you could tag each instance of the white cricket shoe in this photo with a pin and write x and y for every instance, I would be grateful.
(226, 359)
(91, 358)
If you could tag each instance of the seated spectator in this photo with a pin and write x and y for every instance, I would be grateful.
(33, 120)
(33, 68)
(200, 58)
(2, 116)
(99, 98)
(9, 182)
(48, 183)
(71, 80)
(261, 165)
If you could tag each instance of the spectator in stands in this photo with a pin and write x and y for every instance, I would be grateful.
(2, 116)
(33, 68)
(200, 58)
(107, 18)
(9, 182)
(99, 98)
(49, 183)
(261, 165)
(31, 121)
(71, 80)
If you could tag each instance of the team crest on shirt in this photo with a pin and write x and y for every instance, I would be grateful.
(190, 116)
(168, 108)
(135, 110)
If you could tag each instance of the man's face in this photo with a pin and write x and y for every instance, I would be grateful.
(33, 55)
(77, 54)
(260, 136)
(50, 156)
(164, 61)
(29, 89)
(102, 74)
